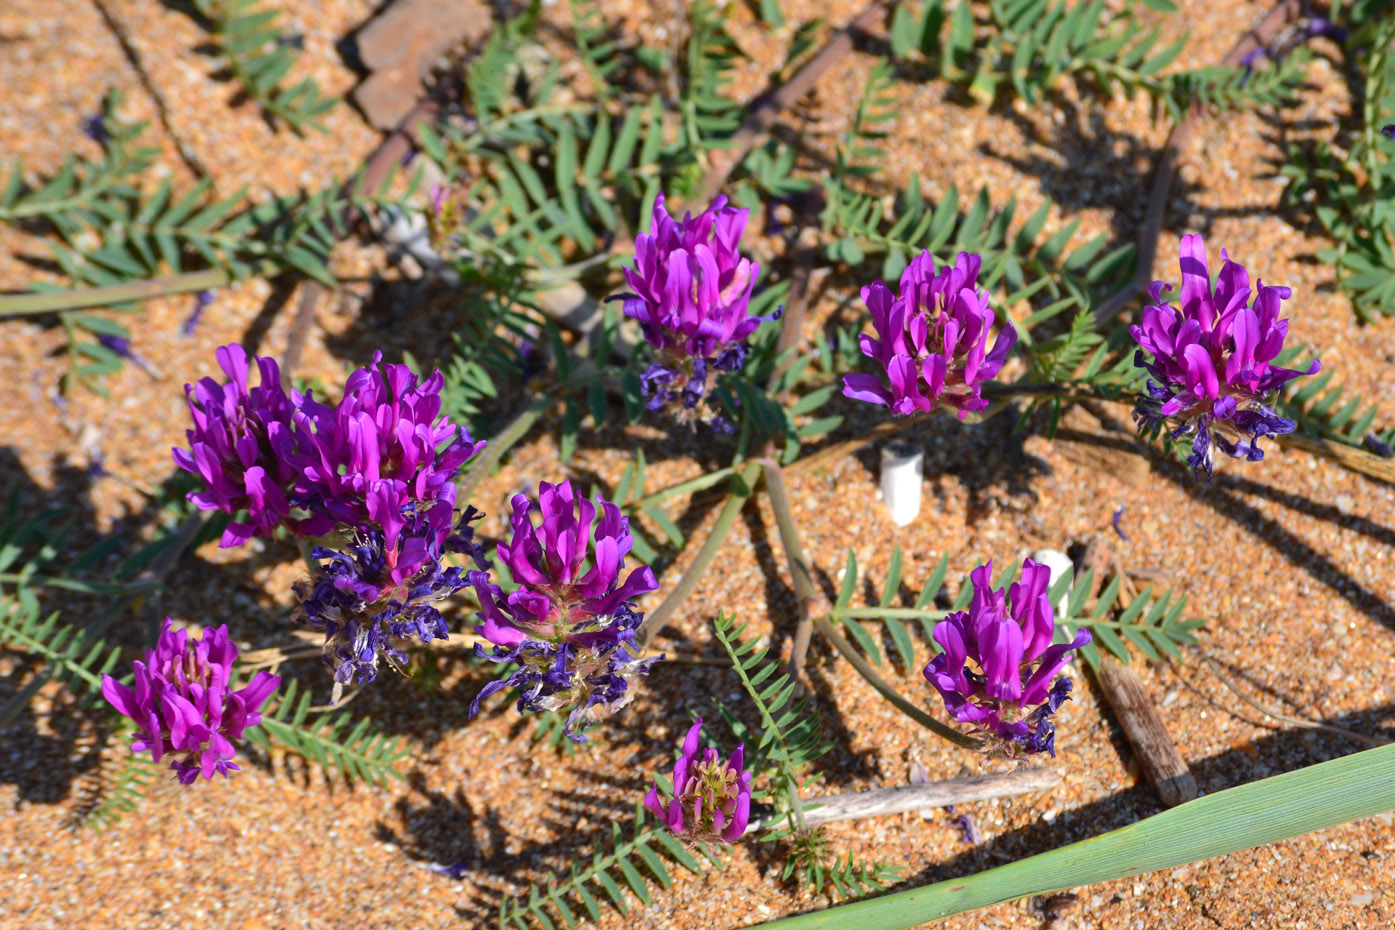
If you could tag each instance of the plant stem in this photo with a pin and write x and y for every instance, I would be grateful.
(882, 687)
(794, 551)
(805, 594)
(877, 613)
(743, 487)
(32, 304)
(691, 486)
(505, 440)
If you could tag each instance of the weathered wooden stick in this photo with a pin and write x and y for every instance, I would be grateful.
(764, 109)
(879, 802)
(1162, 764)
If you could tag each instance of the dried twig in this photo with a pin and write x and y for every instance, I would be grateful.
(1162, 764)
(1215, 668)
(396, 147)
(879, 802)
(767, 107)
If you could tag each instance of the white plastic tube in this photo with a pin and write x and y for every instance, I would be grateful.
(1059, 564)
(903, 471)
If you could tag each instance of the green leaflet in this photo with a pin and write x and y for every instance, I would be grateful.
(1228, 821)
(260, 56)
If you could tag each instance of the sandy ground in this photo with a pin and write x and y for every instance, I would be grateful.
(1291, 561)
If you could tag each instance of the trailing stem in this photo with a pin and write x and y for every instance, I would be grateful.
(743, 486)
(794, 550)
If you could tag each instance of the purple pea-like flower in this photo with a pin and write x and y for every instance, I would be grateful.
(932, 340)
(183, 703)
(242, 446)
(1009, 637)
(691, 295)
(555, 593)
(711, 800)
(1212, 368)
(383, 450)
(570, 628)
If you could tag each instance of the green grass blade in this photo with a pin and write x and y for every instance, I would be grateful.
(1267, 811)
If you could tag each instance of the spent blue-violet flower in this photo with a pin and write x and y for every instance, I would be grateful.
(368, 610)
(202, 301)
(999, 660)
(184, 705)
(711, 800)
(569, 624)
(1212, 376)
(691, 293)
(932, 340)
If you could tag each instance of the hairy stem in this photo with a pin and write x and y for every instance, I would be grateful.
(502, 442)
(805, 594)
(743, 486)
(883, 688)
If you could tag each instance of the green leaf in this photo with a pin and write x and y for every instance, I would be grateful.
(1313, 798)
(849, 588)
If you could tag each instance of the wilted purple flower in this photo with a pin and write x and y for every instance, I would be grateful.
(122, 347)
(691, 296)
(367, 609)
(183, 703)
(1008, 635)
(1211, 360)
(1116, 519)
(94, 127)
(384, 449)
(202, 301)
(570, 629)
(587, 682)
(711, 800)
(933, 340)
(243, 448)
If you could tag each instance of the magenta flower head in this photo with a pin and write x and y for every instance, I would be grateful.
(184, 705)
(1008, 635)
(242, 447)
(711, 800)
(569, 627)
(1211, 369)
(558, 593)
(932, 340)
(384, 453)
(691, 296)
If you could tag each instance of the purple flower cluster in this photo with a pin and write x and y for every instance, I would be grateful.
(291, 461)
(932, 340)
(184, 705)
(570, 629)
(691, 295)
(377, 471)
(1212, 371)
(242, 446)
(711, 800)
(1008, 636)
